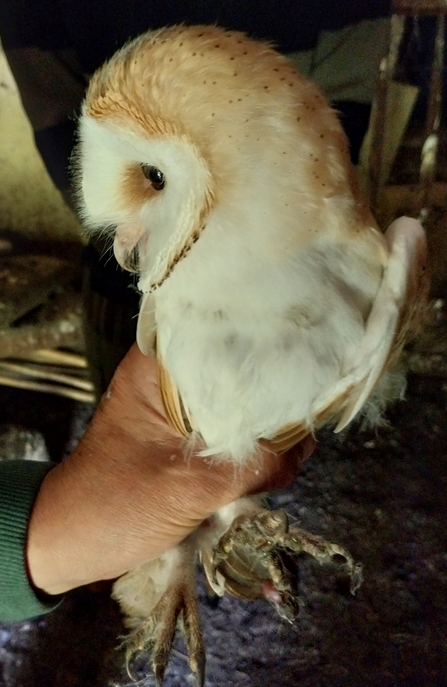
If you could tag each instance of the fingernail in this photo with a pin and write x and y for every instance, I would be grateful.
(307, 447)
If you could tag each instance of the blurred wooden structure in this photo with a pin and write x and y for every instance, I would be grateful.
(418, 198)
(40, 318)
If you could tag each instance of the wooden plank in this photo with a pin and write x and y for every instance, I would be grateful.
(419, 6)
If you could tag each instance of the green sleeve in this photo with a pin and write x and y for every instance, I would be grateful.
(19, 483)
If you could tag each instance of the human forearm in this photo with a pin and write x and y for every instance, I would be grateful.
(128, 493)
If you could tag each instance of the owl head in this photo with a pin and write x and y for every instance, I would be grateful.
(142, 179)
(186, 122)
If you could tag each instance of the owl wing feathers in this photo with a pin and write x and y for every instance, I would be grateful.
(148, 343)
(146, 326)
(395, 313)
(172, 401)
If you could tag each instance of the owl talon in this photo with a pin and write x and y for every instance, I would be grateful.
(177, 608)
(252, 558)
(300, 541)
(260, 531)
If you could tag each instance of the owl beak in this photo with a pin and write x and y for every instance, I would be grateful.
(125, 247)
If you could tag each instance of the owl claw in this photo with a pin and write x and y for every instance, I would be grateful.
(177, 608)
(300, 541)
(198, 670)
(253, 556)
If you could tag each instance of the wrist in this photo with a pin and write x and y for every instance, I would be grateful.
(68, 522)
(85, 520)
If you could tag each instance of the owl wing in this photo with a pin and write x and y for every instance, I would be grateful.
(395, 316)
(148, 343)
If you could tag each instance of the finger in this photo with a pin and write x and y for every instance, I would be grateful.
(302, 451)
(278, 471)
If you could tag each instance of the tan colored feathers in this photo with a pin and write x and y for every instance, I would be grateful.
(172, 402)
(204, 84)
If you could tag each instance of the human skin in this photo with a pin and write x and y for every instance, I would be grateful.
(129, 492)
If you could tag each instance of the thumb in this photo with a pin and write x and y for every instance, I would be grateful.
(276, 471)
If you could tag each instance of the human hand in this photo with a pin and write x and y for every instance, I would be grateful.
(128, 493)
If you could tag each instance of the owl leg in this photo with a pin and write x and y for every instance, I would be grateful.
(251, 558)
(157, 598)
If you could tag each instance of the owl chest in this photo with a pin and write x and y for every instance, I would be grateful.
(245, 370)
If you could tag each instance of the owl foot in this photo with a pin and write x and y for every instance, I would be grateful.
(157, 598)
(177, 608)
(252, 559)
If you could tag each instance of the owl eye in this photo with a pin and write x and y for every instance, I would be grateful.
(154, 175)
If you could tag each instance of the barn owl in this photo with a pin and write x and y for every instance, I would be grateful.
(271, 299)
